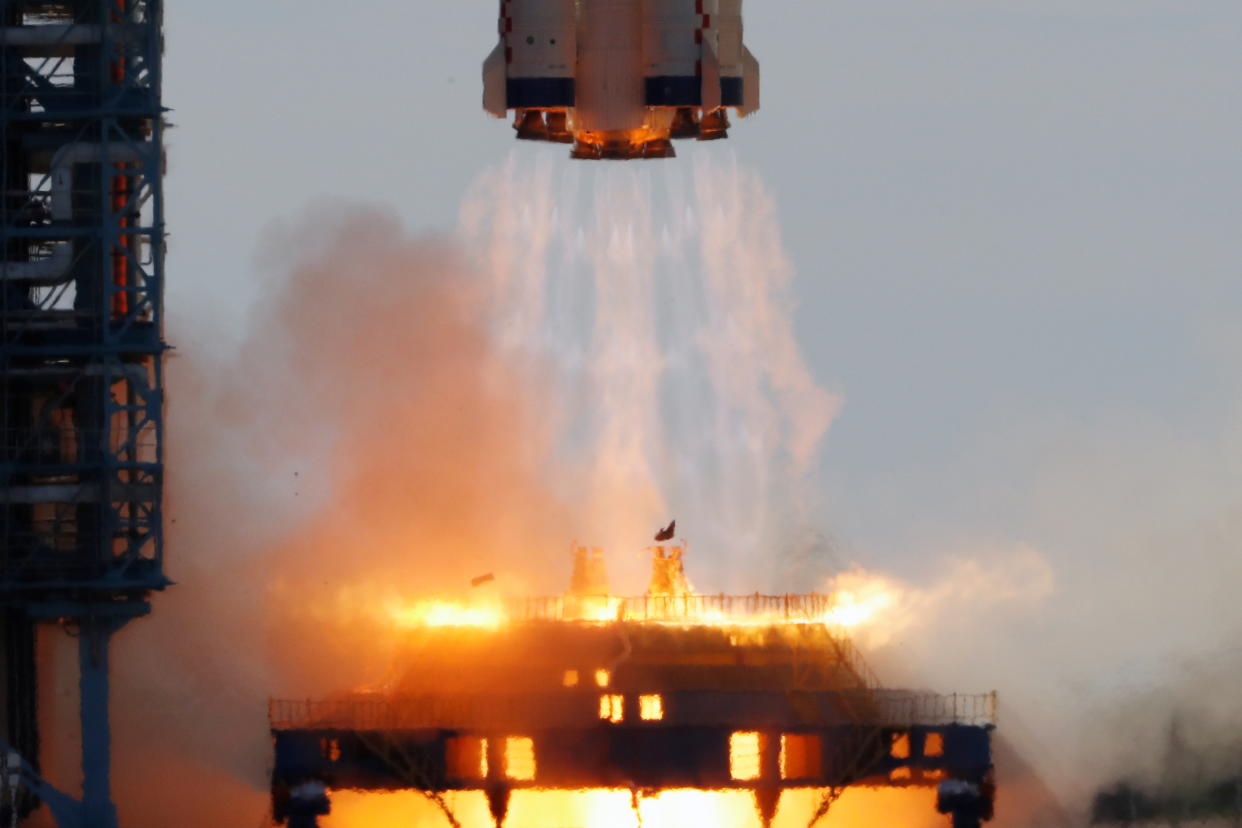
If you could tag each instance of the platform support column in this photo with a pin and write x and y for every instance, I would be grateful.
(768, 792)
(94, 639)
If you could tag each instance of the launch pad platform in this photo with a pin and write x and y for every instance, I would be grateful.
(659, 692)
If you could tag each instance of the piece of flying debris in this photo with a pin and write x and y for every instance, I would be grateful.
(620, 79)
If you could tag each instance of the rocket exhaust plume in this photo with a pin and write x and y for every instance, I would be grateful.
(669, 330)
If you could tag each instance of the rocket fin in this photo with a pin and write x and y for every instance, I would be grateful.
(750, 84)
(711, 77)
(495, 83)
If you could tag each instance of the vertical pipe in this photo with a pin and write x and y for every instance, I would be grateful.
(120, 196)
(97, 808)
(120, 252)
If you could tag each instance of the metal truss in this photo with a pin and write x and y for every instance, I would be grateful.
(81, 298)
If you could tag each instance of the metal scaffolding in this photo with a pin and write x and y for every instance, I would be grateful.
(81, 345)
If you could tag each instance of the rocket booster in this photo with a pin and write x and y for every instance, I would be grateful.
(620, 79)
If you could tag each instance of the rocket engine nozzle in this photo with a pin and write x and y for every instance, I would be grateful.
(530, 125)
(714, 126)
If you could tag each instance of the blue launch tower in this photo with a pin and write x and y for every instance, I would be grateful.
(81, 350)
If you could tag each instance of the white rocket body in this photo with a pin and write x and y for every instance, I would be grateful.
(610, 60)
(620, 78)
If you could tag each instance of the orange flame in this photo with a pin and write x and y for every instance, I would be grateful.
(438, 613)
(859, 601)
(861, 604)
(605, 808)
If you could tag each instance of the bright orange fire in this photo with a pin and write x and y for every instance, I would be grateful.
(635, 137)
(857, 602)
(598, 808)
(860, 599)
(438, 613)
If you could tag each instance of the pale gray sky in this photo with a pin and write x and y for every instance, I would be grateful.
(1015, 227)
(1004, 217)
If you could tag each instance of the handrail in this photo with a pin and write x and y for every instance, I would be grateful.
(902, 708)
(898, 709)
(684, 608)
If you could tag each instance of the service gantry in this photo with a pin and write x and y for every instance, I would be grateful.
(81, 348)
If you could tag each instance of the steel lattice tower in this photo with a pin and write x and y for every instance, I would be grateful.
(81, 347)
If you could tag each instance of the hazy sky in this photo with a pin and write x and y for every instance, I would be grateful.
(1016, 232)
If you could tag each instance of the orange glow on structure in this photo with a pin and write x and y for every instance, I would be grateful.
(436, 613)
(744, 755)
(801, 756)
(520, 758)
(603, 808)
(856, 600)
(570, 678)
(933, 744)
(651, 707)
(602, 677)
(612, 708)
(848, 609)
(601, 608)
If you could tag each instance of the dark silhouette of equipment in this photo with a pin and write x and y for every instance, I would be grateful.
(667, 532)
(483, 579)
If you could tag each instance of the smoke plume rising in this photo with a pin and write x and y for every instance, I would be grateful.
(368, 440)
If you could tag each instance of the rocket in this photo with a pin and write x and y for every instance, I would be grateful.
(620, 79)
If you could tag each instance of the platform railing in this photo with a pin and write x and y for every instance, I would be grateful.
(694, 608)
(903, 708)
(687, 607)
(897, 709)
(431, 711)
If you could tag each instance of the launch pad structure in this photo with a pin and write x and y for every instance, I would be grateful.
(586, 691)
(81, 349)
